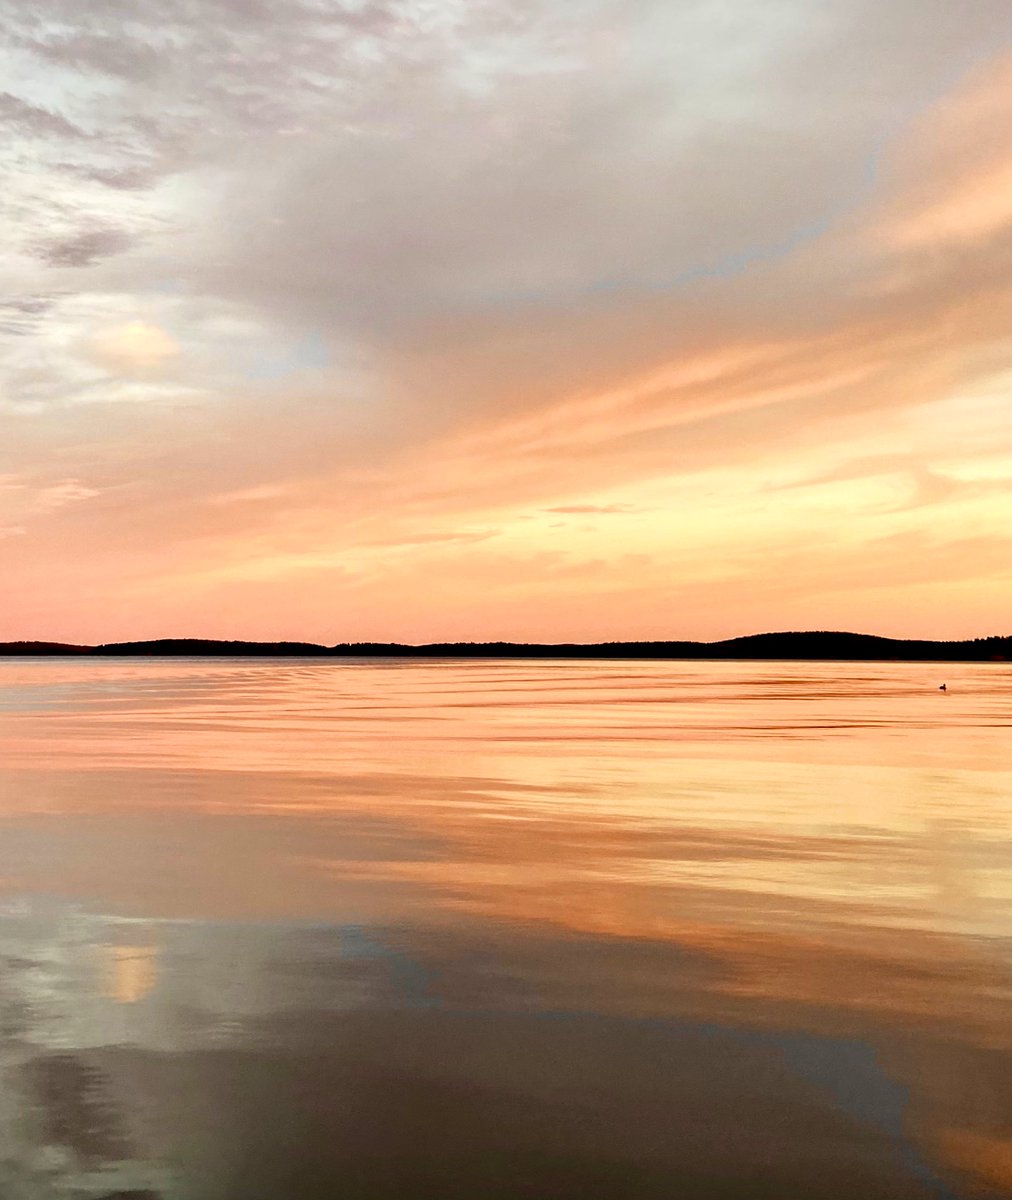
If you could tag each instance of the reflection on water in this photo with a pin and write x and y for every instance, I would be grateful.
(380, 930)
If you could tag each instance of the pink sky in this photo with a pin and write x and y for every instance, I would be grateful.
(486, 322)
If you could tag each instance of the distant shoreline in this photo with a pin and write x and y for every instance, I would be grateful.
(794, 646)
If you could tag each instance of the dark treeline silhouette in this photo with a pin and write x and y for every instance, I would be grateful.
(816, 645)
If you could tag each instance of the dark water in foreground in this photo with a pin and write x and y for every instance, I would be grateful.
(273, 931)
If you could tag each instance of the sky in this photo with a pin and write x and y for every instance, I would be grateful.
(544, 320)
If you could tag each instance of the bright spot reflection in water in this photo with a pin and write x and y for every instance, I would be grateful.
(621, 930)
(131, 972)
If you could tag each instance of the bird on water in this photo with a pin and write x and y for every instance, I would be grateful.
(943, 688)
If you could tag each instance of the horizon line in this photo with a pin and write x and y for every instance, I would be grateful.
(798, 644)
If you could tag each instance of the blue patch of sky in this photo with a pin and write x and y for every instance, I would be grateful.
(309, 354)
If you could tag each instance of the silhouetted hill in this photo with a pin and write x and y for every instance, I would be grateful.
(832, 646)
(808, 645)
(204, 648)
(36, 649)
(862, 647)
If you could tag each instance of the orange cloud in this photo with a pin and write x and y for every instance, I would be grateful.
(954, 174)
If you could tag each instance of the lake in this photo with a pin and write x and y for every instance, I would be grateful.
(300, 930)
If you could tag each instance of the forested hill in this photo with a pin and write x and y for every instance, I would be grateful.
(824, 646)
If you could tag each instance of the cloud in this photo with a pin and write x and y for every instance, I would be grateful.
(115, 51)
(606, 510)
(136, 346)
(27, 499)
(564, 182)
(20, 316)
(57, 495)
(27, 118)
(85, 248)
(123, 178)
(252, 495)
(954, 173)
(979, 207)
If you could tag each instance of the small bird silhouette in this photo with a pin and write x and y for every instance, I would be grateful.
(943, 688)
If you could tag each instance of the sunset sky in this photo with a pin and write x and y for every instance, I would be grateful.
(541, 320)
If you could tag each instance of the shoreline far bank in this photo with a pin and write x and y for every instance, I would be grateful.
(818, 645)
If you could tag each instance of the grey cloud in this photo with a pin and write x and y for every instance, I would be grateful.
(400, 174)
(190, 85)
(34, 121)
(112, 53)
(22, 315)
(684, 158)
(118, 178)
(85, 248)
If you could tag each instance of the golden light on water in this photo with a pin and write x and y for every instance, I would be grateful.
(132, 972)
(815, 857)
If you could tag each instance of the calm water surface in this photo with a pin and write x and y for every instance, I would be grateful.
(317, 930)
